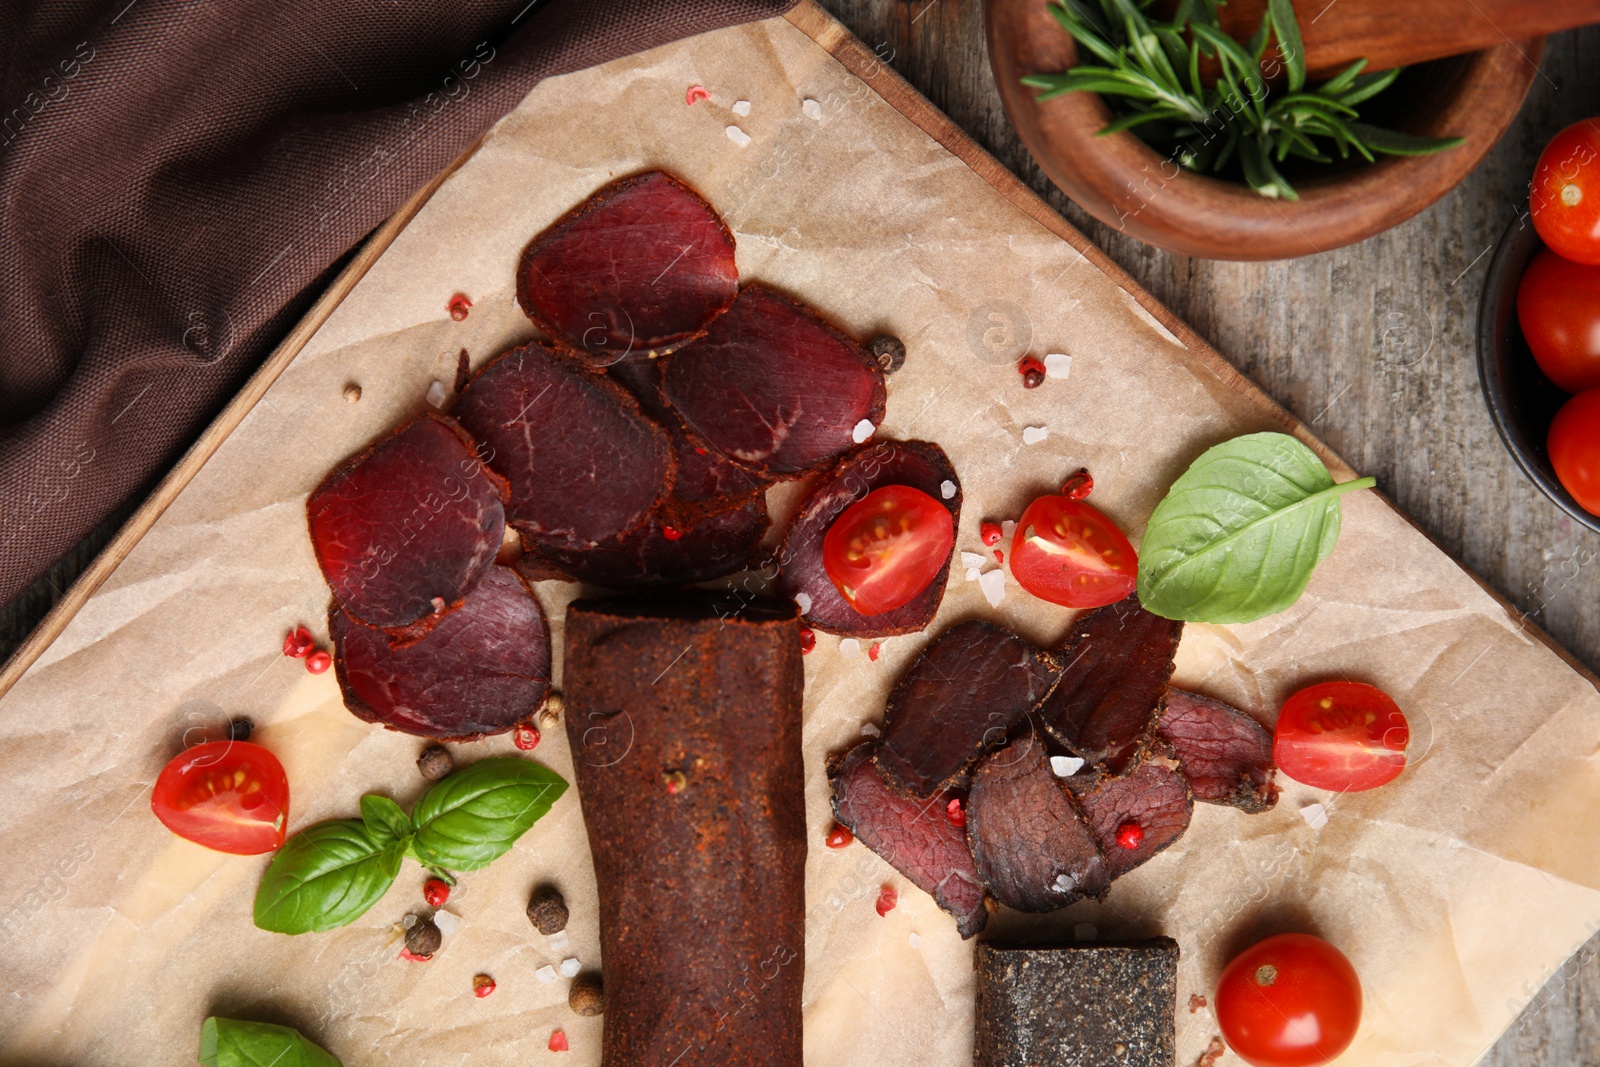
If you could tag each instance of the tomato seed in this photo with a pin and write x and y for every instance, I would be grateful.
(990, 532)
(435, 892)
(299, 643)
(525, 736)
(840, 836)
(1130, 835)
(887, 899)
(482, 985)
(318, 662)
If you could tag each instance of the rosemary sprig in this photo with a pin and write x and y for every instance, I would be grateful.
(1149, 72)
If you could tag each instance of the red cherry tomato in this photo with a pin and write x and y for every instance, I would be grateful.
(1067, 552)
(887, 547)
(1558, 308)
(1565, 196)
(1289, 1001)
(1347, 736)
(228, 795)
(1575, 448)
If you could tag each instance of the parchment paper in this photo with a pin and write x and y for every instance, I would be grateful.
(1456, 891)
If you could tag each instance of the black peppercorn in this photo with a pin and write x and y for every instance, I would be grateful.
(240, 729)
(424, 938)
(435, 762)
(888, 351)
(587, 996)
(547, 910)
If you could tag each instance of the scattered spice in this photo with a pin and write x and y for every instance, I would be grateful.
(671, 533)
(990, 533)
(873, 651)
(318, 662)
(696, 94)
(1080, 485)
(1130, 835)
(808, 639)
(525, 736)
(423, 938)
(547, 910)
(999, 555)
(674, 781)
(459, 305)
(587, 996)
(463, 370)
(889, 351)
(299, 643)
(435, 762)
(482, 985)
(954, 812)
(1214, 1050)
(352, 393)
(435, 892)
(1032, 372)
(558, 1041)
(1196, 1002)
(550, 710)
(888, 897)
(839, 836)
(240, 729)
(411, 957)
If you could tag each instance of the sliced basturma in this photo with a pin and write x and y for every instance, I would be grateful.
(1154, 797)
(1115, 666)
(404, 530)
(960, 696)
(703, 472)
(919, 464)
(915, 837)
(1032, 846)
(482, 670)
(642, 266)
(1225, 754)
(773, 387)
(583, 461)
(684, 717)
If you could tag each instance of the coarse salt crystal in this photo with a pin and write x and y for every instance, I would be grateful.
(1064, 883)
(546, 974)
(436, 394)
(1315, 815)
(973, 574)
(1057, 364)
(1032, 435)
(741, 108)
(570, 967)
(446, 922)
(849, 647)
(1065, 766)
(914, 940)
(812, 109)
(1007, 528)
(738, 136)
(803, 602)
(862, 431)
(974, 559)
(994, 587)
(870, 729)
(1084, 932)
(947, 489)
(559, 941)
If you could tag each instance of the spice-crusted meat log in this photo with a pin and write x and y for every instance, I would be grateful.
(683, 712)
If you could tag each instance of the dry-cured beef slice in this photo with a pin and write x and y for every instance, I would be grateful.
(1154, 797)
(1115, 667)
(640, 267)
(583, 461)
(773, 387)
(919, 464)
(1225, 754)
(482, 670)
(915, 837)
(684, 717)
(703, 472)
(711, 546)
(961, 696)
(405, 529)
(1033, 848)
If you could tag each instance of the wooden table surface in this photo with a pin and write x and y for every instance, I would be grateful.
(1369, 345)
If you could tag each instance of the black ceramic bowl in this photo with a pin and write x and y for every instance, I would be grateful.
(1522, 401)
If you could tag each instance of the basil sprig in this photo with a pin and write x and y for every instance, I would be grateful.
(1239, 533)
(231, 1043)
(329, 874)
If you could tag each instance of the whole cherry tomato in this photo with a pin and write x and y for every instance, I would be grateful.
(228, 795)
(1565, 196)
(1347, 736)
(1067, 552)
(1575, 448)
(1290, 1001)
(1558, 308)
(887, 547)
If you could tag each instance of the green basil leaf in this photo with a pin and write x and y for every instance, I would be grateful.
(231, 1043)
(385, 820)
(326, 876)
(472, 817)
(1237, 536)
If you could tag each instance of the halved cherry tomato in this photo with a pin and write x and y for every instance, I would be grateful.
(1347, 736)
(1067, 552)
(1290, 1001)
(228, 795)
(1575, 448)
(887, 547)
(1565, 196)
(1558, 308)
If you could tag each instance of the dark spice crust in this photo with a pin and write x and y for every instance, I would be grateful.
(702, 890)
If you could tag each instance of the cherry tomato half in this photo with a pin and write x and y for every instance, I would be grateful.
(1565, 195)
(1575, 448)
(1347, 736)
(228, 795)
(1558, 308)
(887, 547)
(1290, 1001)
(1067, 552)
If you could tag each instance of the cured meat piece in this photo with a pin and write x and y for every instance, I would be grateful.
(1225, 754)
(1154, 798)
(683, 713)
(1033, 848)
(1116, 663)
(482, 670)
(711, 546)
(919, 464)
(963, 694)
(703, 472)
(405, 529)
(773, 387)
(640, 267)
(583, 461)
(915, 837)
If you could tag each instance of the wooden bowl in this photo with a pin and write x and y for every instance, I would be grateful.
(1126, 184)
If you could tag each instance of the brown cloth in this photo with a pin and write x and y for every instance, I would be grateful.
(178, 179)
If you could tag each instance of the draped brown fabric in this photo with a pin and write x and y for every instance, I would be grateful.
(178, 179)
